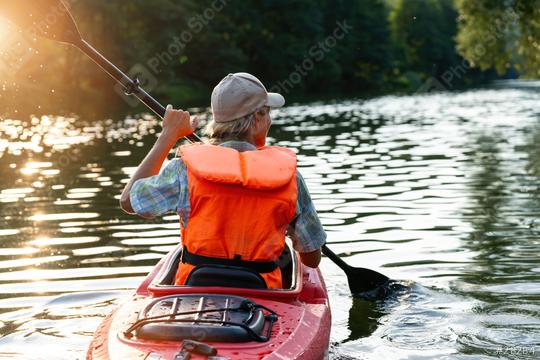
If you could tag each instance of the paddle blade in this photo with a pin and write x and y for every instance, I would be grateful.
(46, 18)
(363, 281)
(360, 280)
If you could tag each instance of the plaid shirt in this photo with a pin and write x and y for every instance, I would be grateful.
(168, 192)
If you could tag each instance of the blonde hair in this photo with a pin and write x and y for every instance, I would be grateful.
(237, 129)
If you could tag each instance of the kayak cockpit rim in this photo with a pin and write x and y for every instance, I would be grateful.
(161, 283)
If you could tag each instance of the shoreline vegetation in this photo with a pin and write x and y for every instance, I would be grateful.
(303, 49)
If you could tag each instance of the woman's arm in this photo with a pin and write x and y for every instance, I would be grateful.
(176, 124)
(306, 230)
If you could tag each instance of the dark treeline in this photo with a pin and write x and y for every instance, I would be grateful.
(303, 48)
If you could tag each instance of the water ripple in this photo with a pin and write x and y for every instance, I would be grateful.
(439, 189)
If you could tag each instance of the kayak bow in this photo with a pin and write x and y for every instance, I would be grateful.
(168, 322)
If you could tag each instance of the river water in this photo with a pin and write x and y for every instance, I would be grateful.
(440, 192)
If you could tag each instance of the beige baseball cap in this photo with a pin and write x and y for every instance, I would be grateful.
(241, 94)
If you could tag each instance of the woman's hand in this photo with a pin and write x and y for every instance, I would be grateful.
(178, 123)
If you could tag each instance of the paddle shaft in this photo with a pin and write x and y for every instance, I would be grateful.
(336, 259)
(64, 29)
(129, 84)
(359, 279)
(153, 104)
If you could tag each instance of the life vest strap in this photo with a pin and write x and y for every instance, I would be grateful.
(261, 267)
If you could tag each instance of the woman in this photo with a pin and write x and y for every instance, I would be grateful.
(236, 198)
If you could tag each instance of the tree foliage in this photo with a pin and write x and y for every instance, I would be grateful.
(301, 47)
(423, 32)
(501, 34)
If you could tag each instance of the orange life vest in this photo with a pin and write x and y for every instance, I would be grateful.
(240, 204)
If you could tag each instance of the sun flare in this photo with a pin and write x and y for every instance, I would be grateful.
(6, 33)
(9, 37)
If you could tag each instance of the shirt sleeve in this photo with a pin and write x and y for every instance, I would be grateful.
(305, 230)
(162, 193)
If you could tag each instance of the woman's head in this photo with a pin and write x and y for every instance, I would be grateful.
(241, 109)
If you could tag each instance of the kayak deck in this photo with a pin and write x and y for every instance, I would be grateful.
(301, 330)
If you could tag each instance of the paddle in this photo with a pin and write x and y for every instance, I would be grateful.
(361, 280)
(51, 19)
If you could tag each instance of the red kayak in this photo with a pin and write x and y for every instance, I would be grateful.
(223, 313)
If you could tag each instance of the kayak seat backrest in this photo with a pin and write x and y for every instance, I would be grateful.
(286, 263)
(225, 276)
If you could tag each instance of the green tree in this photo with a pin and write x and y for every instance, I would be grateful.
(361, 59)
(423, 34)
(501, 34)
(273, 39)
